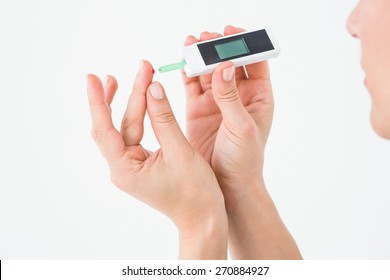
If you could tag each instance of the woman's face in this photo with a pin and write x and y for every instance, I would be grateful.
(370, 22)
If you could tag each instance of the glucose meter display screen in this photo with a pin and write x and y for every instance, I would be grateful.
(235, 47)
(232, 48)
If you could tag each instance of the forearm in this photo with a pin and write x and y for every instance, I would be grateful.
(207, 241)
(256, 230)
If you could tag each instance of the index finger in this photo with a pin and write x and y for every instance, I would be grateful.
(107, 138)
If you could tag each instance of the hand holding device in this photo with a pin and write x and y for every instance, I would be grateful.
(241, 48)
(229, 116)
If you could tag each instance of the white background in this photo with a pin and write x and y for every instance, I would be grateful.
(325, 169)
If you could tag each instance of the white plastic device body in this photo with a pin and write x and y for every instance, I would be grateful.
(196, 66)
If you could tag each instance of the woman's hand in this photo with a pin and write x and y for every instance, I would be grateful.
(175, 179)
(229, 117)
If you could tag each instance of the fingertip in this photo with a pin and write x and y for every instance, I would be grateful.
(230, 29)
(107, 80)
(223, 75)
(112, 80)
(155, 83)
(147, 66)
(110, 88)
(225, 64)
(93, 83)
(91, 77)
(110, 83)
(190, 40)
(156, 91)
(208, 35)
(204, 35)
(222, 66)
(144, 76)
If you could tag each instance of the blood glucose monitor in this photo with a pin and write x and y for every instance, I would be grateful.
(240, 48)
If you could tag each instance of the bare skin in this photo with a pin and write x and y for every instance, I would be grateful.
(229, 117)
(175, 179)
(370, 22)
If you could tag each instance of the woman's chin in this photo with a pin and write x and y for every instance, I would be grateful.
(381, 124)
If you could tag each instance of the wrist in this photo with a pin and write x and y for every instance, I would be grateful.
(206, 240)
(237, 193)
(256, 230)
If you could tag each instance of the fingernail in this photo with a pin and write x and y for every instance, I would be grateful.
(228, 73)
(156, 91)
(141, 65)
(153, 71)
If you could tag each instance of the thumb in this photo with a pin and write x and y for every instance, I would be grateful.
(226, 95)
(165, 126)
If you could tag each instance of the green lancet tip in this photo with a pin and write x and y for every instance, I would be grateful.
(172, 67)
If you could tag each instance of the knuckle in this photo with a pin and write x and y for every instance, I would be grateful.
(131, 127)
(230, 95)
(125, 124)
(165, 117)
